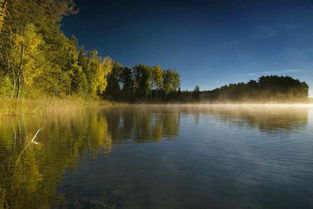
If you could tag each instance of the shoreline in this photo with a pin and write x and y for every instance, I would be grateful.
(22, 107)
(40, 107)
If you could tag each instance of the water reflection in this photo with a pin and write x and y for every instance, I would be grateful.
(266, 119)
(31, 172)
(141, 125)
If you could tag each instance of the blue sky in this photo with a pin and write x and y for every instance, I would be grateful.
(210, 42)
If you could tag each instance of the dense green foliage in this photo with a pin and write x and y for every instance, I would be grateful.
(37, 59)
(266, 89)
(2, 14)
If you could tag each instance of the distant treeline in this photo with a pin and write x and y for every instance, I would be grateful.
(265, 89)
(152, 84)
(38, 60)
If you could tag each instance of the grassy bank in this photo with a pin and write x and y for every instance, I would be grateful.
(41, 107)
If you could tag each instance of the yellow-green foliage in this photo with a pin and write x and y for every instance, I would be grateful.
(2, 13)
(27, 55)
(97, 69)
(38, 60)
(5, 87)
(157, 77)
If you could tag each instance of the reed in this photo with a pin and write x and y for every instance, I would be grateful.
(47, 106)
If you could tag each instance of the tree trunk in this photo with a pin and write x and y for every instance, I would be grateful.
(20, 74)
(18, 93)
(14, 85)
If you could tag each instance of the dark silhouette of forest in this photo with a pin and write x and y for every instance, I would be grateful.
(266, 89)
(122, 82)
(142, 83)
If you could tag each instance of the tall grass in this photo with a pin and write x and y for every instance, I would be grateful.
(42, 107)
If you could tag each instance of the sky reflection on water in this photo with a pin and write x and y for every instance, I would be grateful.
(160, 157)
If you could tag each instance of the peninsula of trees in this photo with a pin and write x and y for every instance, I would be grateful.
(38, 60)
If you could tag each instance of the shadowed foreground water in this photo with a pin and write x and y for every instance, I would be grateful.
(167, 157)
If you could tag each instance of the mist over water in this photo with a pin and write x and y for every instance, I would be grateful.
(160, 156)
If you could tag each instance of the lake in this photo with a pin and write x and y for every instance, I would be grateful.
(167, 157)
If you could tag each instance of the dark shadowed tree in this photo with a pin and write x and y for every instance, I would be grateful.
(128, 82)
(143, 80)
(266, 89)
(196, 93)
(114, 78)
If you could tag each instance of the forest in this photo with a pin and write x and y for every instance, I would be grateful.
(37, 60)
(266, 89)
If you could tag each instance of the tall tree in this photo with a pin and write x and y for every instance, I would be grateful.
(143, 82)
(171, 81)
(96, 71)
(78, 77)
(196, 93)
(28, 60)
(114, 78)
(128, 81)
(157, 77)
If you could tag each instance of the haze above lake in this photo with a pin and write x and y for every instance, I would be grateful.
(166, 156)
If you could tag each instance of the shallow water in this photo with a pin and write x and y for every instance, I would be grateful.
(141, 157)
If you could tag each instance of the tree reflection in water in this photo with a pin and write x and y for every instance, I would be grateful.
(30, 176)
(266, 118)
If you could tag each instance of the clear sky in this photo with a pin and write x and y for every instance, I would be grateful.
(209, 42)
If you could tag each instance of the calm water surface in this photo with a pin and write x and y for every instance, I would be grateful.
(167, 157)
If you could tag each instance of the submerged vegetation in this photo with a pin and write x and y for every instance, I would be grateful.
(37, 60)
